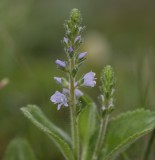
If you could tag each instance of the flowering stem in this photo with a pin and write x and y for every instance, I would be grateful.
(101, 135)
(74, 126)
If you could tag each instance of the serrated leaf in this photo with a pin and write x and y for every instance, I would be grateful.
(19, 149)
(61, 139)
(87, 124)
(125, 129)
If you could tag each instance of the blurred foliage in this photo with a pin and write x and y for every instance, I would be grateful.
(120, 33)
(19, 149)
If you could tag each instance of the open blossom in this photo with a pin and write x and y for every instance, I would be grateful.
(82, 55)
(89, 79)
(60, 99)
(60, 63)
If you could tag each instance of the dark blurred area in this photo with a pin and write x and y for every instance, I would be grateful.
(120, 33)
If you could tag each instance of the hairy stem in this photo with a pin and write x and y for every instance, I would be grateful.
(148, 148)
(74, 125)
(101, 135)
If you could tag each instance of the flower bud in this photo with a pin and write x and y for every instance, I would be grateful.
(61, 81)
(82, 55)
(75, 16)
(60, 63)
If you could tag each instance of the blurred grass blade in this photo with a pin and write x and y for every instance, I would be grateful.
(61, 139)
(125, 129)
(19, 149)
(87, 124)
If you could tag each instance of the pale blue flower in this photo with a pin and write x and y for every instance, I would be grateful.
(82, 55)
(89, 79)
(60, 63)
(60, 99)
(77, 38)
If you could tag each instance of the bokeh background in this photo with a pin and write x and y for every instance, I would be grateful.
(120, 33)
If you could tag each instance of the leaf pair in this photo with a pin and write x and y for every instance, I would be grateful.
(19, 149)
(122, 130)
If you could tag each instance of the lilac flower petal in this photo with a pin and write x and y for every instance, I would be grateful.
(58, 80)
(60, 99)
(77, 38)
(65, 40)
(82, 55)
(70, 49)
(60, 63)
(78, 93)
(89, 75)
(89, 79)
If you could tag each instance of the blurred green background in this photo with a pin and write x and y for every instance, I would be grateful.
(120, 33)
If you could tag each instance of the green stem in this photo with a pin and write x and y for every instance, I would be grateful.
(101, 136)
(150, 143)
(74, 125)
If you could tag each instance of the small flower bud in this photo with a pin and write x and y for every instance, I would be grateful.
(70, 49)
(75, 16)
(82, 55)
(61, 81)
(58, 80)
(78, 38)
(66, 40)
(60, 64)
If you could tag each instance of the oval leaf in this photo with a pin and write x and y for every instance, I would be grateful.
(19, 149)
(61, 139)
(125, 129)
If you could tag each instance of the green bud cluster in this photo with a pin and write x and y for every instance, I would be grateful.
(108, 82)
(107, 88)
(75, 17)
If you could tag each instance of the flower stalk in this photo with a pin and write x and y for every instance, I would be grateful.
(70, 92)
(101, 136)
(106, 99)
(74, 125)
